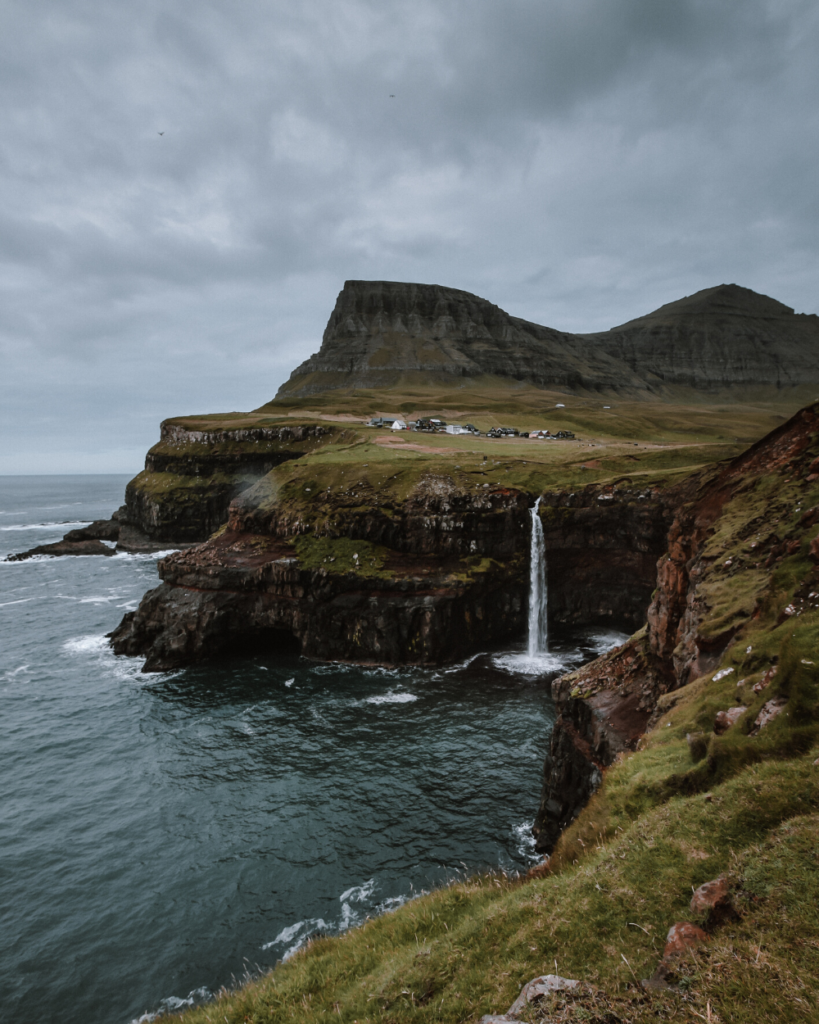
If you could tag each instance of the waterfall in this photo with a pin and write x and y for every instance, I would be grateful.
(538, 598)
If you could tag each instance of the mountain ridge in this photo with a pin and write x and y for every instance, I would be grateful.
(381, 331)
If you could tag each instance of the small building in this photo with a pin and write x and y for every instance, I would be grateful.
(398, 425)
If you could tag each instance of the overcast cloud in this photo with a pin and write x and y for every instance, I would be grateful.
(186, 184)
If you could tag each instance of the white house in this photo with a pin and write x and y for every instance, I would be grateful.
(398, 425)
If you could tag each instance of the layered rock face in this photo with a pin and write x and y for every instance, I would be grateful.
(381, 330)
(426, 580)
(191, 477)
(733, 528)
(720, 337)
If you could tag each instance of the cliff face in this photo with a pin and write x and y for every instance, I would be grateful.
(191, 477)
(736, 561)
(381, 330)
(424, 579)
(720, 337)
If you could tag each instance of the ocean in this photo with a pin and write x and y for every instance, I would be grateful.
(164, 835)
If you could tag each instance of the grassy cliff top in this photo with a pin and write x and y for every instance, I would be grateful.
(737, 414)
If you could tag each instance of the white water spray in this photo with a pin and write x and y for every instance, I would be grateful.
(538, 598)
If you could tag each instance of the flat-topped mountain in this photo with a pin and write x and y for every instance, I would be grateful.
(383, 331)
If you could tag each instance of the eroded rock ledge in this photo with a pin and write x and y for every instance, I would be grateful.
(372, 579)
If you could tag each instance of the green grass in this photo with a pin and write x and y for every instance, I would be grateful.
(466, 949)
(341, 555)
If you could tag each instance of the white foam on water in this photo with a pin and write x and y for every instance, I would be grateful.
(294, 936)
(21, 600)
(129, 670)
(605, 639)
(18, 527)
(11, 673)
(350, 917)
(289, 682)
(93, 644)
(530, 665)
(297, 935)
(391, 698)
(145, 556)
(172, 1004)
(461, 665)
(392, 903)
(37, 558)
(526, 841)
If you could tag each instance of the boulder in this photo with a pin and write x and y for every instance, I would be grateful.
(64, 547)
(725, 719)
(545, 985)
(681, 937)
(769, 712)
(100, 529)
(710, 895)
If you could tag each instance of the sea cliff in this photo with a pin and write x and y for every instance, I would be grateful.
(738, 571)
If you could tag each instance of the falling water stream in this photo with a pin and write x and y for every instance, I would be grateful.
(538, 597)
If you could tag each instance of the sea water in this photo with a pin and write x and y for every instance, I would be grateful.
(162, 835)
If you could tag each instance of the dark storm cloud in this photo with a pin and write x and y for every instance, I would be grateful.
(576, 161)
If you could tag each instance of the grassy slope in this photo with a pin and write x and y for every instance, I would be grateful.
(660, 825)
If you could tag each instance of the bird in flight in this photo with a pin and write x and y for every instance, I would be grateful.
(160, 133)
(392, 95)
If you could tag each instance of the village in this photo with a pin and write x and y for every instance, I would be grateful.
(436, 425)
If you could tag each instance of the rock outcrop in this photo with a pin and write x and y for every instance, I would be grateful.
(383, 331)
(191, 477)
(731, 531)
(86, 540)
(369, 577)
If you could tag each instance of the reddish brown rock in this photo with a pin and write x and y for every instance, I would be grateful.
(725, 719)
(682, 937)
(769, 712)
(710, 895)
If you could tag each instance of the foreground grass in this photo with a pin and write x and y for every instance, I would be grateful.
(466, 950)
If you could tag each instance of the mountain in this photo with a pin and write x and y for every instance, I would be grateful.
(381, 332)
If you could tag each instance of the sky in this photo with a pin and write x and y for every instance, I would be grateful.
(187, 184)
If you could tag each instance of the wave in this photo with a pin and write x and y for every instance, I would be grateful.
(172, 1004)
(526, 842)
(390, 697)
(301, 931)
(145, 556)
(354, 902)
(18, 527)
(12, 672)
(20, 600)
(603, 640)
(92, 644)
(96, 646)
